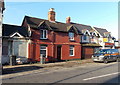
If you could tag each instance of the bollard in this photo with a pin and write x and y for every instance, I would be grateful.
(42, 59)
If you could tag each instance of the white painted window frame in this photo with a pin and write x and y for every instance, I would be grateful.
(46, 49)
(44, 34)
(73, 49)
(72, 34)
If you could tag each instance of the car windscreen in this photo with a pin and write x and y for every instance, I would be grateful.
(105, 51)
(114, 51)
(102, 51)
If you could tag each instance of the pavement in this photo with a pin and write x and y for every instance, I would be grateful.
(26, 69)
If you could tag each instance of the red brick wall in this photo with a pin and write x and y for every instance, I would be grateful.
(36, 36)
(66, 53)
(63, 38)
(87, 52)
(54, 39)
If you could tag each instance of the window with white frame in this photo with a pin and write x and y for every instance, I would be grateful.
(71, 50)
(43, 50)
(94, 34)
(71, 35)
(43, 34)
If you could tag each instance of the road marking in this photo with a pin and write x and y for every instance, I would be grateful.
(100, 76)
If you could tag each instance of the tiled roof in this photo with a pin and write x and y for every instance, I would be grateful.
(62, 27)
(10, 29)
(56, 26)
(107, 34)
(82, 27)
(101, 31)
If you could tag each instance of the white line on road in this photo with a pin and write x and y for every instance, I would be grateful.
(100, 76)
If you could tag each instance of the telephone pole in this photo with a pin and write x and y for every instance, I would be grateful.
(1, 20)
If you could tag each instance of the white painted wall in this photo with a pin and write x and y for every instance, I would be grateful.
(15, 47)
(116, 44)
(101, 42)
(20, 48)
(95, 40)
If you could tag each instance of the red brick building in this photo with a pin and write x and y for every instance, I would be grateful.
(55, 40)
(89, 39)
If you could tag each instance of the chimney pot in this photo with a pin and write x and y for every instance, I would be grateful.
(68, 20)
(51, 9)
(51, 15)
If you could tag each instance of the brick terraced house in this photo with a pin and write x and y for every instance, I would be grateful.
(89, 40)
(55, 40)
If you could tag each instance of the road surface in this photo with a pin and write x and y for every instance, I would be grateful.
(88, 73)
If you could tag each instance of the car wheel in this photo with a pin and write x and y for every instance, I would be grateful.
(105, 61)
(118, 59)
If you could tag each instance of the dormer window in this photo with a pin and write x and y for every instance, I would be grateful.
(71, 35)
(43, 34)
(84, 37)
(90, 33)
(29, 33)
(93, 33)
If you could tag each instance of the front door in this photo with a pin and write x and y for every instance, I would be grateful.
(59, 53)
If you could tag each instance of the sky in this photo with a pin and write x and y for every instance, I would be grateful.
(96, 14)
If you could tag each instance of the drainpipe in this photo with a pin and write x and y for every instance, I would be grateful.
(53, 47)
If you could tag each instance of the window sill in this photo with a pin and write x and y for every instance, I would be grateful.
(72, 40)
(71, 55)
(43, 38)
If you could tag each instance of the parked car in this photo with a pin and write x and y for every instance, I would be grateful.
(21, 60)
(106, 55)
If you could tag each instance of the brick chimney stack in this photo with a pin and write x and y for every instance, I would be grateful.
(51, 15)
(68, 20)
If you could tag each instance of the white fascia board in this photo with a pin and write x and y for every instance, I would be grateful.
(87, 31)
(20, 36)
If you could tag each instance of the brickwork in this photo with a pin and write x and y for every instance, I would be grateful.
(54, 39)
